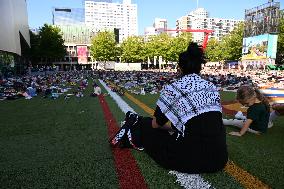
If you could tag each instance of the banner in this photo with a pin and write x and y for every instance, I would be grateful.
(82, 54)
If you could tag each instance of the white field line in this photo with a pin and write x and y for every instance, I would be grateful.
(120, 102)
(188, 181)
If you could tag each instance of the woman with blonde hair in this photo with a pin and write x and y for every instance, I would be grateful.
(258, 113)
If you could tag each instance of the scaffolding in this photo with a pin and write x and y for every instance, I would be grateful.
(262, 19)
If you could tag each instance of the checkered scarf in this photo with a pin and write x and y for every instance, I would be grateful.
(186, 98)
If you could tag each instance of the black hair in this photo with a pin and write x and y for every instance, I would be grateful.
(190, 61)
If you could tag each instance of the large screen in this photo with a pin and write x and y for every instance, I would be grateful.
(259, 47)
(82, 55)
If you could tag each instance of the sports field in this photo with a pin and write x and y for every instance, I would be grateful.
(61, 143)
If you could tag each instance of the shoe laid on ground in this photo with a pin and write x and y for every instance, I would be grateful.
(120, 138)
(128, 135)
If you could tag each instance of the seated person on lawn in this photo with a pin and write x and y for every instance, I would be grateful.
(195, 141)
(258, 117)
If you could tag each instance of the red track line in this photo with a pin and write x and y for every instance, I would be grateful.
(128, 172)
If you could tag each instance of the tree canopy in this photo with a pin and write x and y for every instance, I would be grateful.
(104, 47)
(280, 44)
(229, 48)
(47, 45)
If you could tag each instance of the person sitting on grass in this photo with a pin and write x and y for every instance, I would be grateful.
(195, 139)
(258, 113)
(97, 90)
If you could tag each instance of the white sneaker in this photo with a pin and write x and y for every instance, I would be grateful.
(270, 124)
(239, 115)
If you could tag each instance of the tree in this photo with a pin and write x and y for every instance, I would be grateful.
(34, 51)
(232, 44)
(178, 45)
(229, 48)
(132, 49)
(104, 46)
(51, 44)
(158, 46)
(213, 51)
(280, 43)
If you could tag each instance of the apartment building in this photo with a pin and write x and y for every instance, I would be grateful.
(108, 15)
(199, 19)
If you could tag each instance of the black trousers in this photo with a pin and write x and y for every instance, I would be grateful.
(190, 154)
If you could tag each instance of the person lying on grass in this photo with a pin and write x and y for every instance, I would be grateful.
(195, 141)
(258, 114)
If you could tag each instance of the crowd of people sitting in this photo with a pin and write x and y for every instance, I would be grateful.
(54, 84)
(51, 86)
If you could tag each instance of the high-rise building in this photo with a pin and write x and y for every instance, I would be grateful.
(182, 23)
(160, 24)
(68, 16)
(199, 19)
(107, 16)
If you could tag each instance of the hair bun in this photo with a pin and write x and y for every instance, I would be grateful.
(194, 50)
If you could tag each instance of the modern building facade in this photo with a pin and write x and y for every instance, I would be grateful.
(75, 33)
(77, 36)
(107, 16)
(68, 16)
(199, 19)
(79, 26)
(14, 33)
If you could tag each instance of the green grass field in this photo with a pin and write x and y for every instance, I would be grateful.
(262, 156)
(61, 143)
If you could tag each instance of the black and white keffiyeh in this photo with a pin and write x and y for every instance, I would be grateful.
(188, 97)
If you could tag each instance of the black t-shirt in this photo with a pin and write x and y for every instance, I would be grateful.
(259, 115)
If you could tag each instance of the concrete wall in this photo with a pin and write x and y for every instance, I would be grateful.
(13, 21)
(127, 67)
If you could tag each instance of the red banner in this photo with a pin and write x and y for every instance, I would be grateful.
(82, 54)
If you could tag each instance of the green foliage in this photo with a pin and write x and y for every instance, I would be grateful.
(167, 47)
(48, 45)
(104, 46)
(158, 45)
(135, 49)
(51, 43)
(280, 44)
(131, 49)
(233, 43)
(229, 48)
(178, 45)
(34, 51)
(213, 51)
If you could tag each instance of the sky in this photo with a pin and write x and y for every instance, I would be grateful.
(40, 11)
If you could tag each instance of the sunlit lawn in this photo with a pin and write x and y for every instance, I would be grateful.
(47, 143)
